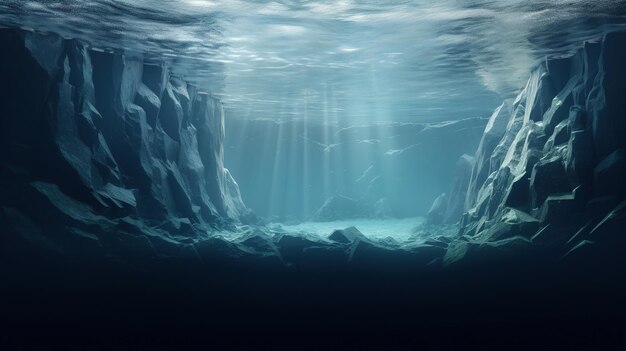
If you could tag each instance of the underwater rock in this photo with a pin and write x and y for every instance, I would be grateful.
(548, 177)
(513, 222)
(108, 152)
(347, 235)
(605, 102)
(579, 160)
(95, 137)
(469, 252)
(531, 185)
(259, 244)
(494, 131)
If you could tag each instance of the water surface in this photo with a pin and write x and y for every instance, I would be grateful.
(348, 60)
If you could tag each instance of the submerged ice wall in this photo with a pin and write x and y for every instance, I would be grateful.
(550, 168)
(104, 142)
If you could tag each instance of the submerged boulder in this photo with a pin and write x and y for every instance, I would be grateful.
(259, 243)
(548, 177)
(513, 222)
(347, 235)
(469, 252)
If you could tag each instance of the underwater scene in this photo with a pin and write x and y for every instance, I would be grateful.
(313, 175)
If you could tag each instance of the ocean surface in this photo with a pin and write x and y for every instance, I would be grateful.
(336, 60)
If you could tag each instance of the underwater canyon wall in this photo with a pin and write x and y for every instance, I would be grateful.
(104, 152)
(95, 142)
(550, 169)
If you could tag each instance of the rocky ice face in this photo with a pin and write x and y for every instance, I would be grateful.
(550, 167)
(95, 143)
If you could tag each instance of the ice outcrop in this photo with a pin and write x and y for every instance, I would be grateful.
(97, 142)
(551, 163)
(347, 235)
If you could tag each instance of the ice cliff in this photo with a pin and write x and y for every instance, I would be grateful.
(95, 143)
(549, 171)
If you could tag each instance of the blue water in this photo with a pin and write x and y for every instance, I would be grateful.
(342, 83)
(348, 60)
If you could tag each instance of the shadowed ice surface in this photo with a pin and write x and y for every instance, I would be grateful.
(372, 60)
